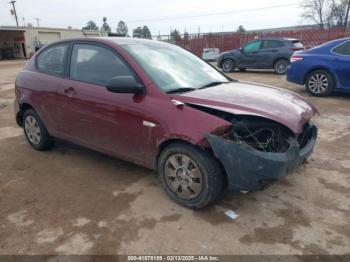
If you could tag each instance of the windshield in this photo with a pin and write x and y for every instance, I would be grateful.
(173, 68)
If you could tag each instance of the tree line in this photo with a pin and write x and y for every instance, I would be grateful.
(139, 32)
(121, 29)
(324, 13)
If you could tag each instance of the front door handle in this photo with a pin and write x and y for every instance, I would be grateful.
(70, 91)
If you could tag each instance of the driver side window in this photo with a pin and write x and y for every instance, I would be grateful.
(52, 60)
(252, 47)
(96, 64)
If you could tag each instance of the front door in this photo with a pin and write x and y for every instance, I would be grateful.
(93, 116)
(51, 71)
(249, 55)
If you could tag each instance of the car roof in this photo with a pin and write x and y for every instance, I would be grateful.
(332, 44)
(278, 38)
(128, 40)
(116, 40)
(338, 41)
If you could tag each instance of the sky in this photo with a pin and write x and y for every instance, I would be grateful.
(159, 15)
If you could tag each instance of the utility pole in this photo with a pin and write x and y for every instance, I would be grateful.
(37, 21)
(347, 14)
(14, 10)
(346, 20)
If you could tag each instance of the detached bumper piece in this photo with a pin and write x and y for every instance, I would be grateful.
(248, 169)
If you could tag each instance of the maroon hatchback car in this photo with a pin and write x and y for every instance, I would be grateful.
(161, 107)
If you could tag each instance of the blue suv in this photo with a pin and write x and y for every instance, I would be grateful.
(262, 53)
(322, 69)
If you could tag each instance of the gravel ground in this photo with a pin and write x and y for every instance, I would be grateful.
(72, 200)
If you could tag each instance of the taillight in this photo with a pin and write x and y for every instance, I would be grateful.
(296, 48)
(296, 59)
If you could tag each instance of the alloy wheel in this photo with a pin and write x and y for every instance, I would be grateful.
(281, 66)
(183, 176)
(32, 130)
(318, 83)
(227, 66)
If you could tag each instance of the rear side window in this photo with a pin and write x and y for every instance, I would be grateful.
(96, 64)
(251, 47)
(272, 44)
(52, 60)
(343, 49)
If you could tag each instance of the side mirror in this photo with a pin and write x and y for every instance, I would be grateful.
(241, 49)
(124, 84)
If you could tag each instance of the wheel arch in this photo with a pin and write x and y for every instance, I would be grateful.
(165, 143)
(321, 68)
(230, 58)
(280, 58)
(22, 108)
(208, 148)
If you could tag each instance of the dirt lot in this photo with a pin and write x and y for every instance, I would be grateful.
(75, 201)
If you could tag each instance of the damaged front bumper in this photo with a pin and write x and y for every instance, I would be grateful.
(248, 169)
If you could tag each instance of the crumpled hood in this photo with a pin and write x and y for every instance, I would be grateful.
(243, 98)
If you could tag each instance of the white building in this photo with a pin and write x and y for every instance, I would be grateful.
(21, 42)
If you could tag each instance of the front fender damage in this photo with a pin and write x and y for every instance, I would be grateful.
(249, 169)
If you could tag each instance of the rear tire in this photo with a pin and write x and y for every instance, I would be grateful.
(281, 66)
(192, 177)
(320, 83)
(228, 65)
(36, 132)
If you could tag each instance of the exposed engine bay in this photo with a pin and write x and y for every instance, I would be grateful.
(259, 133)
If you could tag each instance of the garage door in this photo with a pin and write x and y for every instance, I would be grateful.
(48, 37)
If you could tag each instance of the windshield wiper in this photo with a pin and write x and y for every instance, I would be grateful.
(214, 83)
(187, 89)
(180, 90)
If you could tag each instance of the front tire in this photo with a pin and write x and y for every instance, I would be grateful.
(192, 177)
(320, 83)
(281, 66)
(36, 132)
(228, 65)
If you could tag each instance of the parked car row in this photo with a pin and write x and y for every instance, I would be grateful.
(322, 69)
